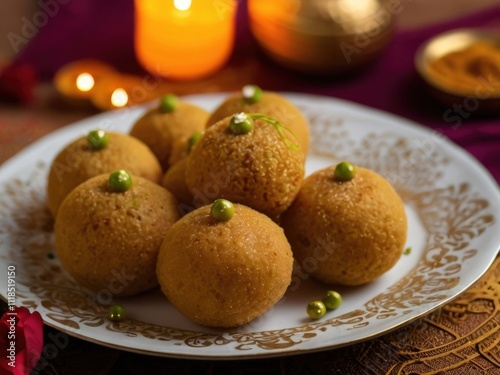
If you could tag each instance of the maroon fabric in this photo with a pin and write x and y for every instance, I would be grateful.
(104, 30)
(80, 29)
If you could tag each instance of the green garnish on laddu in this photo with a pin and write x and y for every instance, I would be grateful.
(242, 123)
(251, 93)
(98, 139)
(120, 181)
(169, 103)
(222, 210)
(345, 171)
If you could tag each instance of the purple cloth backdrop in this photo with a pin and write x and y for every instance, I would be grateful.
(104, 30)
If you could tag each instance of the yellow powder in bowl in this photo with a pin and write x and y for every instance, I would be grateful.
(468, 70)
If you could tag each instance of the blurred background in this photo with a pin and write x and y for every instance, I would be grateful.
(30, 56)
(415, 13)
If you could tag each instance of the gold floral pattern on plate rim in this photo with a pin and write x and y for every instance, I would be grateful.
(454, 212)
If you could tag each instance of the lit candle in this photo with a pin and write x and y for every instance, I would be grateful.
(119, 97)
(184, 39)
(76, 81)
(122, 90)
(85, 82)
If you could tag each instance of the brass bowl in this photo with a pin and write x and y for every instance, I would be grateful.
(324, 37)
(483, 98)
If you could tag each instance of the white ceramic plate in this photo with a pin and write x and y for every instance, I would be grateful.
(452, 205)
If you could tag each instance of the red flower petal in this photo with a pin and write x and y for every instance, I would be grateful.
(17, 83)
(25, 336)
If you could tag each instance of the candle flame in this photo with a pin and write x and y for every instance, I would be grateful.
(119, 98)
(182, 4)
(85, 82)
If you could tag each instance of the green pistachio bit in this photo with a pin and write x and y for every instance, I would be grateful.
(407, 251)
(120, 181)
(332, 300)
(222, 210)
(345, 171)
(169, 103)
(280, 128)
(194, 139)
(251, 93)
(98, 139)
(241, 124)
(316, 309)
(116, 313)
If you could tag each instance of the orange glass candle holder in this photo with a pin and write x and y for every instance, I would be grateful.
(121, 90)
(76, 82)
(184, 39)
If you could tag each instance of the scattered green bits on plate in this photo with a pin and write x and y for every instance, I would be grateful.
(332, 300)
(316, 309)
(116, 313)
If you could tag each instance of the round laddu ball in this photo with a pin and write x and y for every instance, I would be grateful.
(78, 162)
(271, 104)
(167, 133)
(257, 169)
(174, 181)
(224, 273)
(110, 241)
(348, 232)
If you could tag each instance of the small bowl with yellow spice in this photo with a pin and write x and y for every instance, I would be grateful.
(462, 67)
